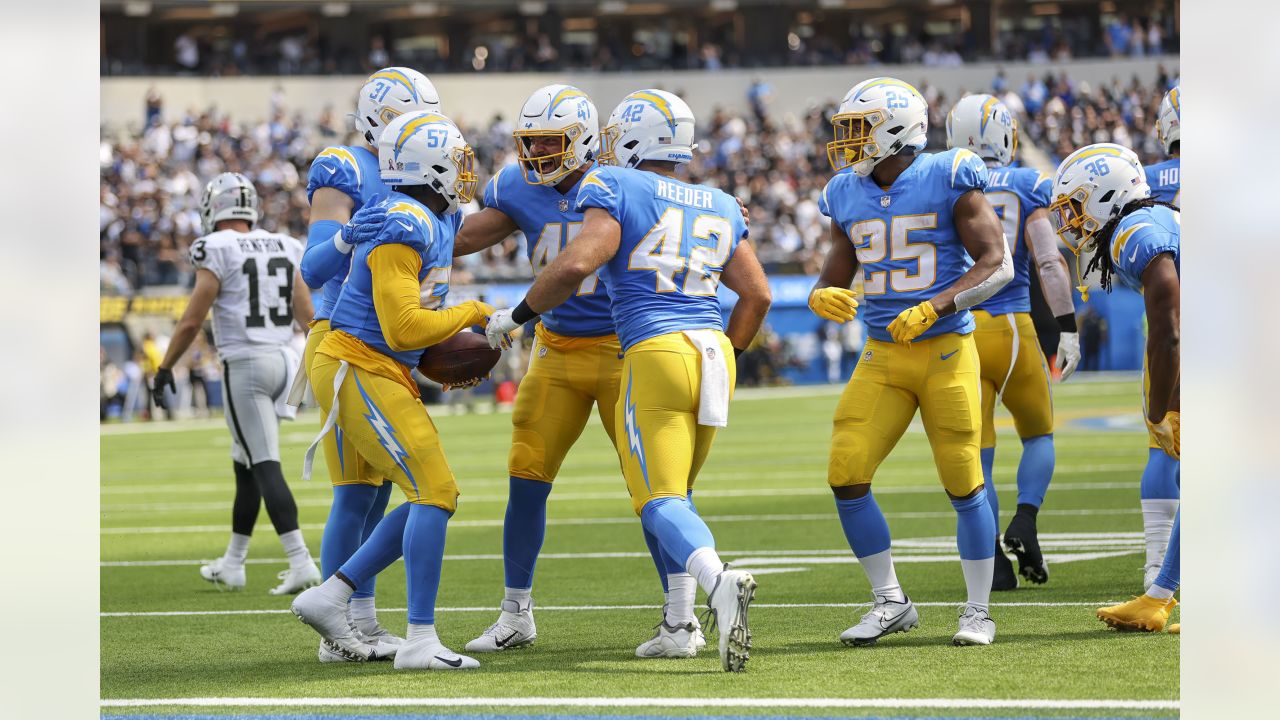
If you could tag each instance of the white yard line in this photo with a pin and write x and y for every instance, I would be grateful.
(700, 703)
(594, 608)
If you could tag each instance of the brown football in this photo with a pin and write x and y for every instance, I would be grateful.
(463, 357)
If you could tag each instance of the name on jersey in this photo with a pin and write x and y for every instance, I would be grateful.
(1168, 176)
(260, 244)
(677, 193)
(998, 178)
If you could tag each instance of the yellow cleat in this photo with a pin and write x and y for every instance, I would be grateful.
(1143, 613)
(1175, 629)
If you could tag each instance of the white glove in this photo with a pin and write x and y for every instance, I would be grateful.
(499, 329)
(1068, 354)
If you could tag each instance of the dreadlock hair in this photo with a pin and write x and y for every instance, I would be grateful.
(1101, 259)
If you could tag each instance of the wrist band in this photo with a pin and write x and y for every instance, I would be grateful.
(523, 313)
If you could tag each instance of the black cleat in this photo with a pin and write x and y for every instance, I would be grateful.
(1004, 578)
(1020, 539)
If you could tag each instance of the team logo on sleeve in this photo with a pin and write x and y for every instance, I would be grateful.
(564, 205)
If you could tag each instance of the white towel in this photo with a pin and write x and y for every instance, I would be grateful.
(298, 387)
(285, 409)
(329, 422)
(713, 401)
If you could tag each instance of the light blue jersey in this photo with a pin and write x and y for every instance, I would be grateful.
(676, 240)
(353, 171)
(1141, 236)
(408, 222)
(550, 220)
(1166, 181)
(1015, 193)
(905, 236)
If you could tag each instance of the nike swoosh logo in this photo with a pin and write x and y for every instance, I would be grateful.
(405, 225)
(1134, 256)
(947, 355)
(450, 663)
(509, 638)
(332, 171)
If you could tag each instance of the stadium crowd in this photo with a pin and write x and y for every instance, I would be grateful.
(774, 161)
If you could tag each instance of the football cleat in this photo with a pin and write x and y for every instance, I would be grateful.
(1004, 577)
(223, 575)
(671, 641)
(885, 618)
(377, 635)
(976, 627)
(1175, 629)
(1143, 613)
(515, 629)
(429, 654)
(699, 638)
(331, 653)
(1021, 540)
(295, 580)
(727, 605)
(329, 618)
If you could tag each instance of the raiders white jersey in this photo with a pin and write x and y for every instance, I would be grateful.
(254, 308)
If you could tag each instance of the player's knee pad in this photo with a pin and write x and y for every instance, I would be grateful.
(528, 456)
(960, 468)
(852, 460)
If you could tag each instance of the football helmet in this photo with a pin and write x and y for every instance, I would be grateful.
(567, 117)
(426, 148)
(983, 124)
(391, 92)
(648, 125)
(1090, 188)
(229, 196)
(876, 119)
(1169, 119)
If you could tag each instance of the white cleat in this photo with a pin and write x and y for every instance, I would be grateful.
(514, 629)
(885, 618)
(699, 639)
(976, 627)
(297, 579)
(672, 641)
(727, 606)
(429, 654)
(223, 575)
(378, 635)
(330, 620)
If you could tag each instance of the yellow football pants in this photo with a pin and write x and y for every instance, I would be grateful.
(390, 428)
(662, 446)
(346, 467)
(566, 377)
(938, 375)
(1013, 370)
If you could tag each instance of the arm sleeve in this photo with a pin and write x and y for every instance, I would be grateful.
(326, 254)
(1043, 245)
(599, 189)
(398, 302)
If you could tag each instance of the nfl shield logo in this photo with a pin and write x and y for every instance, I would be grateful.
(711, 353)
(564, 205)
(884, 201)
(542, 351)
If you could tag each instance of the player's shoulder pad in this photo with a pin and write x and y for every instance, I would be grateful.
(1144, 234)
(335, 167)
(965, 170)
(600, 188)
(407, 223)
(502, 187)
(1034, 185)
(211, 251)
(833, 190)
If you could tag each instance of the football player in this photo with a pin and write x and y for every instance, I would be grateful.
(342, 180)
(249, 277)
(662, 247)
(1011, 364)
(930, 247)
(1159, 489)
(576, 361)
(1102, 205)
(385, 316)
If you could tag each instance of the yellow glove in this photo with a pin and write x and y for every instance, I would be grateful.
(1168, 433)
(834, 303)
(913, 321)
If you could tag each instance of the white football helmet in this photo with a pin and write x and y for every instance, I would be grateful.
(983, 124)
(876, 119)
(426, 148)
(567, 116)
(229, 196)
(1090, 188)
(391, 92)
(648, 125)
(1169, 119)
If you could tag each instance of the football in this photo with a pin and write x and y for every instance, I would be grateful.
(463, 357)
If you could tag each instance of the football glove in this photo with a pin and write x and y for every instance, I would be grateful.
(1068, 354)
(834, 303)
(499, 329)
(1168, 433)
(912, 322)
(163, 379)
(364, 225)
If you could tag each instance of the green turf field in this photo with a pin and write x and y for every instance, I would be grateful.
(166, 634)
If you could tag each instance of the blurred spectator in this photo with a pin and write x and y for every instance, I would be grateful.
(187, 53)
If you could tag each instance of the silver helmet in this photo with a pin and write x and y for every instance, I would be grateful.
(229, 196)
